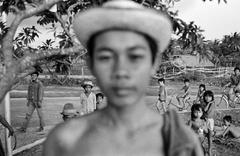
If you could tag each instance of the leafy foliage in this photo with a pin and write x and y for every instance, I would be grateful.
(3, 30)
(27, 36)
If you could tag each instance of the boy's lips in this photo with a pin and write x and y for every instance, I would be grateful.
(123, 91)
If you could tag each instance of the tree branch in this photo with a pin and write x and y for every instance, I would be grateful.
(11, 76)
(40, 55)
(63, 24)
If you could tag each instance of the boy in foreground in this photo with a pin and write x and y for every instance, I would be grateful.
(122, 47)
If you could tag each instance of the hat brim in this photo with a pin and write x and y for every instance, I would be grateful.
(69, 112)
(146, 21)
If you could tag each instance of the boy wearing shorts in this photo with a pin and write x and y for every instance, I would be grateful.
(162, 95)
(182, 97)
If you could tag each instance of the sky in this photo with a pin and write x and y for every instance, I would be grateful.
(215, 19)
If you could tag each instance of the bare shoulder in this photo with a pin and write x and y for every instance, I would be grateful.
(65, 135)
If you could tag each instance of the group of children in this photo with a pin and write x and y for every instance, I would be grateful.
(202, 114)
(89, 102)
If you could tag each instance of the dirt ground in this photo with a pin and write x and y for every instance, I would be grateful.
(56, 97)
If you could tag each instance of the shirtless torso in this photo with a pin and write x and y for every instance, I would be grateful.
(97, 135)
(233, 130)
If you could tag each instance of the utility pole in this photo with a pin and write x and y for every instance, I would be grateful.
(7, 111)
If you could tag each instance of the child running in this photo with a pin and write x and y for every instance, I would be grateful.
(123, 38)
(162, 96)
(201, 91)
(209, 107)
(200, 126)
(183, 96)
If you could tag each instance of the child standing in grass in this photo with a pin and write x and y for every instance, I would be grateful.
(184, 95)
(87, 98)
(208, 107)
(200, 126)
(201, 91)
(162, 95)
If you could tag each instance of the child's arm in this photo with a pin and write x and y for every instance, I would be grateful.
(226, 131)
(209, 108)
(6, 124)
(186, 92)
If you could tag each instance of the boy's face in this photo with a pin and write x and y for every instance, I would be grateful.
(34, 77)
(99, 99)
(208, 98)
(186, 83)
(67, 117)
(201, 88)
(88, 88)
(198, 113)
(237, 72)
(122, 65)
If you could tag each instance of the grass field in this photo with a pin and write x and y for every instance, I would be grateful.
(56, 97)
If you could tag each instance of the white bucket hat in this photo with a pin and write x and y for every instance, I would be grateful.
(126, 15)
(87, 82)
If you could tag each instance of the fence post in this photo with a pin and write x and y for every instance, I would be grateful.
(82, 71)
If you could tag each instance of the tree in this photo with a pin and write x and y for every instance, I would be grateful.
(19, 56)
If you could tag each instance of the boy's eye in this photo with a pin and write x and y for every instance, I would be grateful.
(135, 57)
(104, 57)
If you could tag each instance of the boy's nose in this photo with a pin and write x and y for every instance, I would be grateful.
(121, 69)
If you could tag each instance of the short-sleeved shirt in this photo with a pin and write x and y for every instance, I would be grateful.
(88, 103)
(162, 93)
(35, 91)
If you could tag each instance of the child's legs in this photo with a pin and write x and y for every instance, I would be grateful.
(164, 106)
(185, 99)
(158, 105)
(211, 123)
(180, 97)
(40, 115)
(29, 113)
